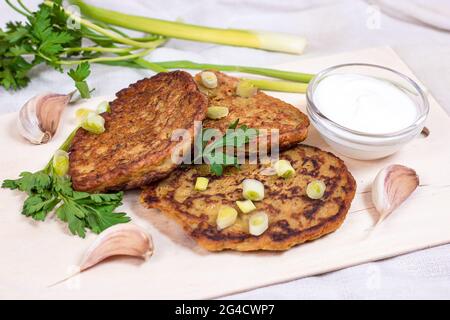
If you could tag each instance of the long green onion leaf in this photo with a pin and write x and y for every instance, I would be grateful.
(282, 86)
(273, 73)
(261, 40)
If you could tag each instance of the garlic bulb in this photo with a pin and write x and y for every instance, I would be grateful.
(39, 117)
(122, 239)
(391, 187)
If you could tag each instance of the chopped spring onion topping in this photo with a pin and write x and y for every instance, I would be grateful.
(258, 223)
(103, 107)
(209, 79)
(316, 189)
(201, 184)
(82, 113)
(94, 123)
(60, 163)
(284, 169)
(245, 89)
(227, 217)
(217, 112)
(246, 206)
(253, 190)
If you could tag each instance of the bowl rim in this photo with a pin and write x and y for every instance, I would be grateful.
(311, 107)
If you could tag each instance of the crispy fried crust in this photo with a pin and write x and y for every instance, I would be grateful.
(136, 147)
(293, 217)
(259, 112)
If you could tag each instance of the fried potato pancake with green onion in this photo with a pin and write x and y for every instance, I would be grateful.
(136, 147)
(294, 218)
(260, 111)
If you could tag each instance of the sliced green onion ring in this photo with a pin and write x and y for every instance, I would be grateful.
(226, 217)
(217, 112)
(201, 184)
(103, 107)
(253, 190)
(209, 79)
(316, 189)
(246, 206)
(284, 169)
(245, 89)
(82, 113)
(258, 223)
(60, 163)
(94, 123)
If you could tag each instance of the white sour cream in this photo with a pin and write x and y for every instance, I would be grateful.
(364, 103)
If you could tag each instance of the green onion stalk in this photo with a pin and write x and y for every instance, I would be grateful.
(283, 86)
(298, 82)
(122, 38)
(244, 38)
(131, 51)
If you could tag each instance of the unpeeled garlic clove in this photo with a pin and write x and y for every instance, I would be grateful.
(39, 118)
(391, 187)
(119, 240)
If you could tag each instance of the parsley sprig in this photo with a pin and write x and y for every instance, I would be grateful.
(48, 192)
(79, 75)
(48, 37)
(215, 152)
(43, 38)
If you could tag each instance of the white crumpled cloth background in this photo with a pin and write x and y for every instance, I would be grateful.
(419, 30)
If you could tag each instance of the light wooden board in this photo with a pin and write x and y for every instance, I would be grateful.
(35, 255)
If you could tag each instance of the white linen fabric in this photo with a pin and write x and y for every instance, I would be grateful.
(434, 13)
(415, 29)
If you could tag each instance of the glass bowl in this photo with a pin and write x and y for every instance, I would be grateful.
(362, 145)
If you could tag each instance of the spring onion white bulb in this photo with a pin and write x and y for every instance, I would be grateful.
(274, 41)
(258, 223)
(253, 190)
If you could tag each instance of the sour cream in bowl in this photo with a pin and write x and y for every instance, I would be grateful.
(366, 111)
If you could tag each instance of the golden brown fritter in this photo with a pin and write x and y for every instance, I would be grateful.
(136, 147)
(258, 112)
(294, 218)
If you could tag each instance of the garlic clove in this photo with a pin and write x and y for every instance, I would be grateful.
(119, 240)
(40, 116)
(122, 239)
(391, 187)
